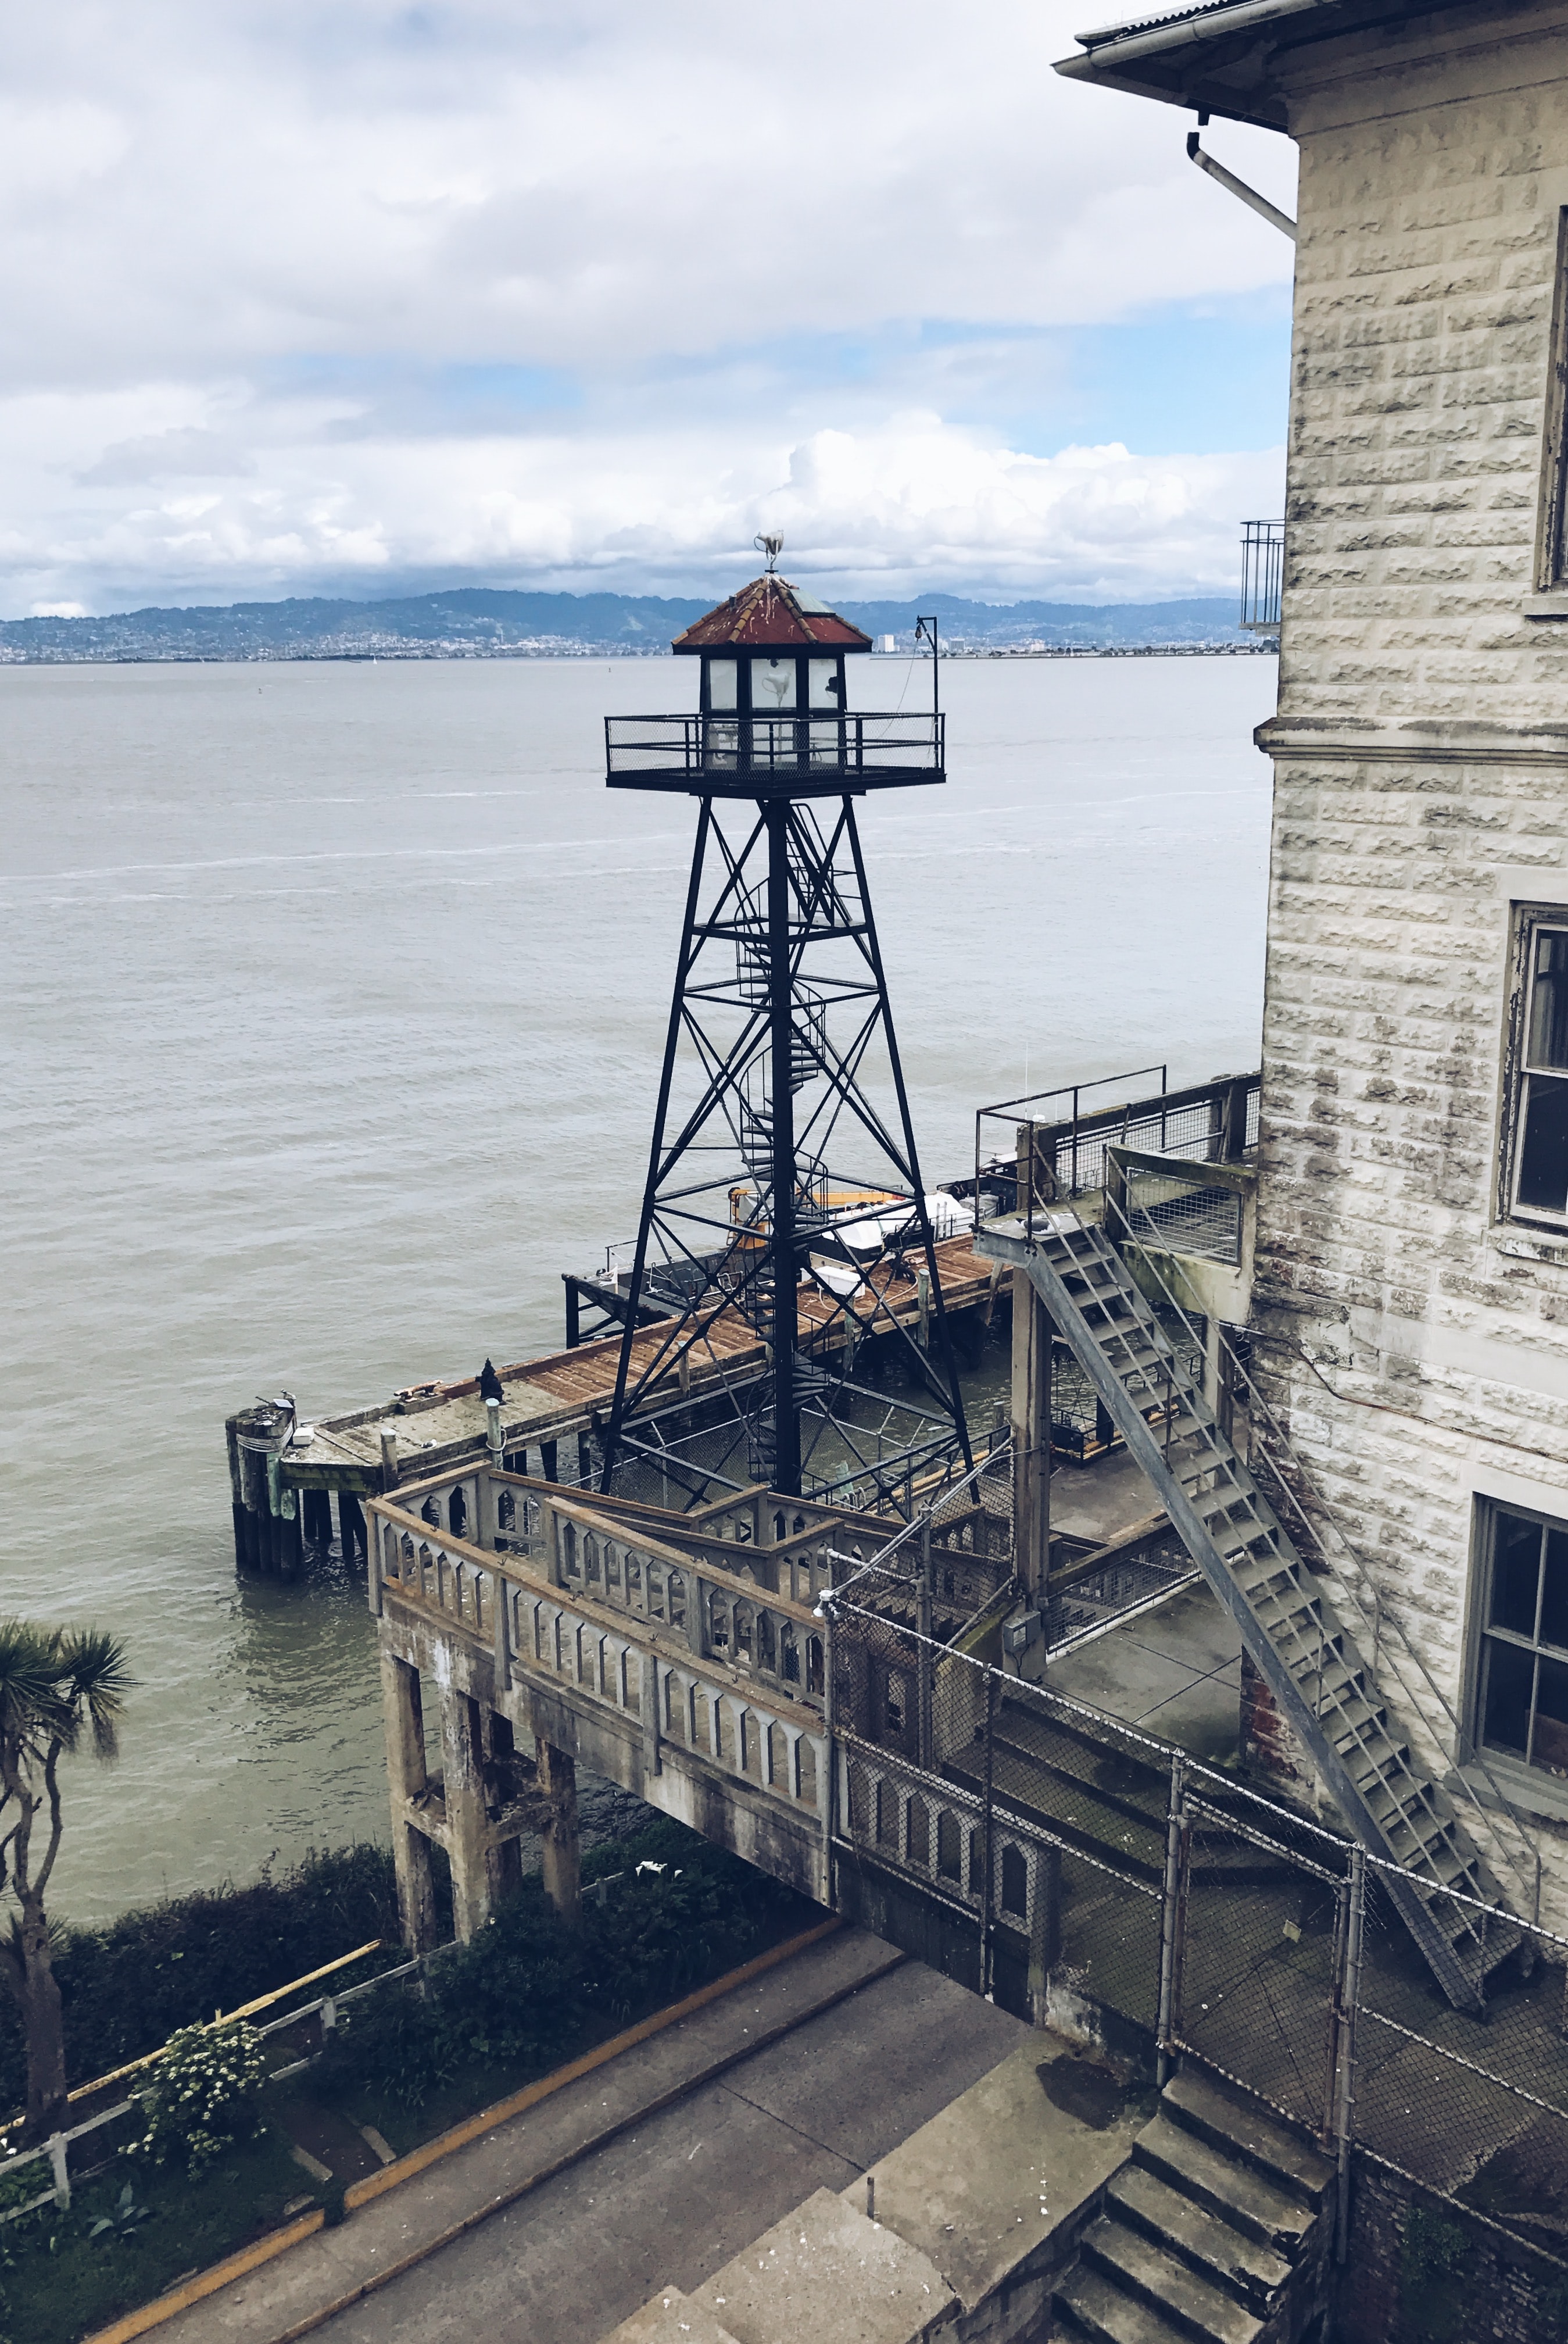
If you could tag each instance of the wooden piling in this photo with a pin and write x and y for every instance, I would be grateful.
(351, 1525)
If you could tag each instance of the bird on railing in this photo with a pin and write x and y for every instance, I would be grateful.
(490, 1383)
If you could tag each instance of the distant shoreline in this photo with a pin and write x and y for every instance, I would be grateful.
(465, 655)
(489, 623)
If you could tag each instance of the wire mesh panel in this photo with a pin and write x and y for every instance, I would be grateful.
(1474, 2106)
(1156, 1566)
(1191, 1217)
(1260, 1948)
(1247, 1937)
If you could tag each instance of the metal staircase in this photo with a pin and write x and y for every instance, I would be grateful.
(1302, 1645)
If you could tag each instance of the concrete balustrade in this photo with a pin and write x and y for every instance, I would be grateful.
(695, 1675)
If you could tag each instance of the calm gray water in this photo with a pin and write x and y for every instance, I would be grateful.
(333, 997)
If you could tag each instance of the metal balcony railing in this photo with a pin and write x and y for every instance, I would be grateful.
(1263, 574)
(673, 751)
(1068, 1131)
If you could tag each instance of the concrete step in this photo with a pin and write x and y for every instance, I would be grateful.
(1192, 2304)
(1201, 2237)
(1238, 2194)
(1239, 2128)
(1089, 2304)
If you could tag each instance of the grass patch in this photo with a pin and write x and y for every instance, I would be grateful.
(56, 2283)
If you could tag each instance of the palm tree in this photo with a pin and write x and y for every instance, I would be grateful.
(59, 1687)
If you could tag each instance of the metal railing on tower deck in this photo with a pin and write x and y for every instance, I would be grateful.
(676, 749)
(1263, 575)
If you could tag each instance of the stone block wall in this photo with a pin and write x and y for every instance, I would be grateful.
(1421, 2271)
(1416, 1341)
(1432, 179)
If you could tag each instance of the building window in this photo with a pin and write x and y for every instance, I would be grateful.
(1552, 540)
(1539, 1177)
(1521, 1705)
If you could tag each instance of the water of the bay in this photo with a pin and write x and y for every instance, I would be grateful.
(332, 1000)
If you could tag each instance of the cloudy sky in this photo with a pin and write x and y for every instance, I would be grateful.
(340, 295)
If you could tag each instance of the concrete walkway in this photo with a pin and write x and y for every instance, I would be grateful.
(674, 2196)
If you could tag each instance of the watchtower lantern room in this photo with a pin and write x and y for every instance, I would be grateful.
(773, 711)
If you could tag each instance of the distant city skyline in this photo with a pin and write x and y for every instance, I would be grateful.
(367, 300)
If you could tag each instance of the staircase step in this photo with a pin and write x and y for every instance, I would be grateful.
(1372, 1770)
(1237, 2128)
(1182, 2296)
(1352, 1726)
(1241, 2197)
(1094, 2306)
(1411, 1837)
(1200, 2236)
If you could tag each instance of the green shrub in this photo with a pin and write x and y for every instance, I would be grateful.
(127, 1986)
(203, 2094)
(528, 1991)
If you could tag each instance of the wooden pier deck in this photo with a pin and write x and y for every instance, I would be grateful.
(428, 1428)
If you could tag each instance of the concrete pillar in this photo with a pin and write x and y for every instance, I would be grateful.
(561, 1850)
(1030, 1414)
(503, 1858)
(1044, 1931)
(404, 1727)
(463, 1782)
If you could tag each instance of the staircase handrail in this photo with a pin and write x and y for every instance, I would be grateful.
(1370, 1615)
(924, 1518)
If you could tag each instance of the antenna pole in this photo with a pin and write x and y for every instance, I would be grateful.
(928, 629)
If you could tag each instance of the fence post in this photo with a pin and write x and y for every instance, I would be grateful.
(1349, 1990)
(61, 2171)
(923, 1666)
(985, 1976)
(1170, 1899)
(828, 1788)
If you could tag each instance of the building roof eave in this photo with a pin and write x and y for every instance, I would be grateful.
(1223, 56)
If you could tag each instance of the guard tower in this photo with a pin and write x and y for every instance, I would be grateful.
(779, 1199)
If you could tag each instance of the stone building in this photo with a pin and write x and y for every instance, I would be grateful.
(1410, 1298)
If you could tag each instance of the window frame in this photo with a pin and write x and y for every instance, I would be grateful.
(1552, 529)
(1530, 919)
(1489, 1512)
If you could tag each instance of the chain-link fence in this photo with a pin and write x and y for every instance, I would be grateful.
(1110, 1879)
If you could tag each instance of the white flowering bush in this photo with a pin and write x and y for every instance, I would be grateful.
(203, 2094)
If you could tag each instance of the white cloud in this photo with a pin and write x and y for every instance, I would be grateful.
(204, 212)
(885, 510)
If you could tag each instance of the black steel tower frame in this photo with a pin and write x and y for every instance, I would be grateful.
(790, 884)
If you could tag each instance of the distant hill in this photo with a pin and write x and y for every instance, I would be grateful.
(484, 623)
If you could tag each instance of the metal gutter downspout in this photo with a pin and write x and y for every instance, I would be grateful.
(1260, 204)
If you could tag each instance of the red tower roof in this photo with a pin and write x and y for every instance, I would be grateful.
(771, 615)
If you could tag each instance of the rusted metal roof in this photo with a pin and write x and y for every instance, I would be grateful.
(771, 615)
